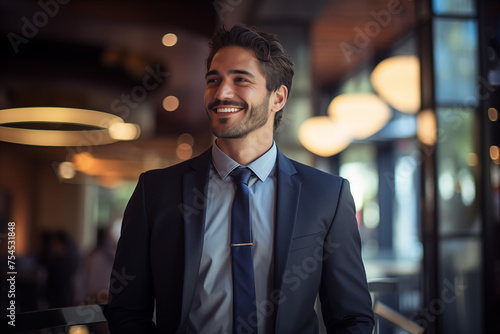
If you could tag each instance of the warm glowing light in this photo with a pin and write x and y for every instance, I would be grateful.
(170, 103)
(109, 169)
(79, 329)
(66, 170)
(55, 138)
(321, 136)
(185, 138)
(100, 120)
(493, 114)
(169, 39)
(124, 131)
(472, 159)
(184, 151)
(363, 114)
(84, 162)
(427, 127)
(397, 81)
(58, 115)
(494, 153)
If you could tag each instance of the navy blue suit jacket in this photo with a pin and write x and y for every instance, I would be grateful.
(317, 250)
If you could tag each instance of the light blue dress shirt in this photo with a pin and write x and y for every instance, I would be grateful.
(213, 303)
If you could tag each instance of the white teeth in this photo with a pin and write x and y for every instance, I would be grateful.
(226, 110)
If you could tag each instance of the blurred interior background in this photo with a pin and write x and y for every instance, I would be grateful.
(401, 97)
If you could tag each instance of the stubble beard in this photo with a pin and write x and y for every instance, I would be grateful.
(256, 118)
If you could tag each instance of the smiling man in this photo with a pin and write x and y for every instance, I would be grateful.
(216, 252)
(240, 107)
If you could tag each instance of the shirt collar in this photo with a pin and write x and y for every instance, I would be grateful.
(261, 167)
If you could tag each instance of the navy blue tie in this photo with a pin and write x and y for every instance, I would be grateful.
(244, 310)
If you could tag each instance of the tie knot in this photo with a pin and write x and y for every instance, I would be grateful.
(241, 175)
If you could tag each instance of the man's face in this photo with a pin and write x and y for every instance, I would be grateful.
(236, 98)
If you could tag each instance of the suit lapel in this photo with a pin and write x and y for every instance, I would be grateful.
(195, 182)
(287, 202)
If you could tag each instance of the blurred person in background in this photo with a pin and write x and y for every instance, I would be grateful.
(60, 258)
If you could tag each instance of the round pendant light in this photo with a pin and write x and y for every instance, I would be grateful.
(105, 128)
(397, 81)
(363, 113)
(323, 137)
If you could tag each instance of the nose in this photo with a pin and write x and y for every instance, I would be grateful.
(224, 91)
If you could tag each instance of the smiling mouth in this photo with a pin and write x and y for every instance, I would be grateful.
(227, 110)
(227, 107)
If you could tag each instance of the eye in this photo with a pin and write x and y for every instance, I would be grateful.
(241, 80)
(212, 80)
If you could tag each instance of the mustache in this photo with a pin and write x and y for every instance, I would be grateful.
(226, 103)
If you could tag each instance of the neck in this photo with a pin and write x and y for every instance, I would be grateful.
(244, 151)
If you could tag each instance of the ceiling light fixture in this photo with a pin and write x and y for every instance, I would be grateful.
(427, 127)
(397, 81)
(363, 113)
(170, 103)
(323, 137)
(108, 128)
(169, 39)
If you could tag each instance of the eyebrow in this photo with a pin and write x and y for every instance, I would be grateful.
(215, 72)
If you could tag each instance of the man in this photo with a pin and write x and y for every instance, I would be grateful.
(176, 249)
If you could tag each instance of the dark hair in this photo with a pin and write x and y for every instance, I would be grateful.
(275, 64)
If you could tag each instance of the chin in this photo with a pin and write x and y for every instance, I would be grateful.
(228, 133)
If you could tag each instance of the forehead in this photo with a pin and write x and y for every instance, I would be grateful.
(232, 58)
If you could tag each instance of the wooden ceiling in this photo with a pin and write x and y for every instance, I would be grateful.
(349, 33)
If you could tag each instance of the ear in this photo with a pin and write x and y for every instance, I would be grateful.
(278, 98)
